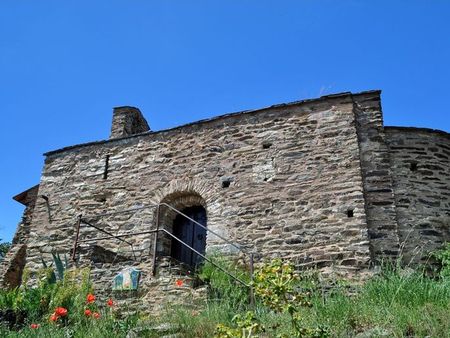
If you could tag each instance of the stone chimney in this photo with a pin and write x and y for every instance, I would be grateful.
(127, 121)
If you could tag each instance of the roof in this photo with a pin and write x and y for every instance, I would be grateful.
(25, 197)
(419, 130)
(314, 100)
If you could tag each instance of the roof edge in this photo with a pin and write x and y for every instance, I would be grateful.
(279, 105)
(21, 197)
(419, 129)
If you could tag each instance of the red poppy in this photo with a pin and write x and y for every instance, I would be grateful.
(61, 311)
(34, 326)
(96, 315)
(110, 302)
(90, 298)
(54, 317)
(179, 282)
(87, 312)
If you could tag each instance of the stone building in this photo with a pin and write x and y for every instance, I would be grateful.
(321, 182)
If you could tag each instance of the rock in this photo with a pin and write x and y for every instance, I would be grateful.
(375, 332)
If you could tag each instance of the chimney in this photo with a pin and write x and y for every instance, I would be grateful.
(127, 121)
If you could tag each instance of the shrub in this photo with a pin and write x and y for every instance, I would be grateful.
(223, 287)
(443, 256)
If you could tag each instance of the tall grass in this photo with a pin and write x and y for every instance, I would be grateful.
(225, 298)
(401, 305)
(394, 303)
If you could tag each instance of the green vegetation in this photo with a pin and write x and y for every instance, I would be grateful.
(4, 248)
(56, 273)
(443, 256)
(394, 303)
(62, 308)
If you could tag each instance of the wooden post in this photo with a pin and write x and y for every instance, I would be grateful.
(155, 241)
(75, 244)
(252, 270)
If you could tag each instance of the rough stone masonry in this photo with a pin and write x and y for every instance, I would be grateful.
(321, 182)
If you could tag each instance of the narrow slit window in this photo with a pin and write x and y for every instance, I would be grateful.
(349, 213)
(105, 172)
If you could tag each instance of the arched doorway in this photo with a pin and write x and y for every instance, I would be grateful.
(190, 233)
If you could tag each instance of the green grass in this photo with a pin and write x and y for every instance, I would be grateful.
(392, 303)
(412, 305)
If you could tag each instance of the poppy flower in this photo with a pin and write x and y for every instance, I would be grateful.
(179, 282)
(110, 302)
(90, 298)
(34, 326)
(96, 315)
(54, 317)
(87, 312)
(61, 311)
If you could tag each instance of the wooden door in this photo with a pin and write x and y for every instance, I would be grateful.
(191, 234)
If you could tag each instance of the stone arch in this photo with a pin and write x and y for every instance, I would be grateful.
(180, 200)
(179, 187)
(177, 192)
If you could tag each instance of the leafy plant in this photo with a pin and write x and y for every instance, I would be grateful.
(223, 287)
(4, 248)
(247, 326)
(60, 266)
(443, 256)
(278, 286)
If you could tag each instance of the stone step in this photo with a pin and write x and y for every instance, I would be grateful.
(166, 330)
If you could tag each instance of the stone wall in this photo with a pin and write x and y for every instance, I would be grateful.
(127, 121)
(377, 177)
(420, 163)
(14, 262)
(320, 182)
(278, 181)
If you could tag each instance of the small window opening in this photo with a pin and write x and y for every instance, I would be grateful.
(226, 183)
(349, 213)
(266, 144)
(105, 172)
(413, 166)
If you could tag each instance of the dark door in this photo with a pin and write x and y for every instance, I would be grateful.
(191, 234)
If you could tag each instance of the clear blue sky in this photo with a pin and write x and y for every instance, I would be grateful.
(65, 64)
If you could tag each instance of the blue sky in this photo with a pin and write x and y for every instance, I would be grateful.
(65, 64)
